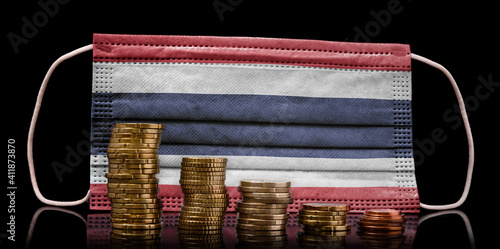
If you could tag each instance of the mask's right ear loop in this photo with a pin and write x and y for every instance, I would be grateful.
(468, 132)
(31, 133)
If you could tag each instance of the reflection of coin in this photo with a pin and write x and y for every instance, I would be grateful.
(261, 232)
(327, 228)
(260, 227)
(261, 221)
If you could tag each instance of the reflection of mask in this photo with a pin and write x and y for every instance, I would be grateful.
(334, 118)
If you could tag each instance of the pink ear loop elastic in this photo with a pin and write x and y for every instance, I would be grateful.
(468, 132)
(31, 133)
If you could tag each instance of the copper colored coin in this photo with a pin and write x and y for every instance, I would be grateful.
(383, 212)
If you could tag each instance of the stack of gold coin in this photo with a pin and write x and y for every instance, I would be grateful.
(382, 228)
(205, 201)
(323, 222)
(136, 210)
(262, 215)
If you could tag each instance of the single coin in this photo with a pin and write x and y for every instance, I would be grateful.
(135, 221)
(261, 205)
(129, 176)
(140, 125)
(385, 224)
(261, 221)
(383, 219)
(381, 228)
(265, 183)
(132, 185)
(325, 218)
(322, 213)
(201, 182)
(260, 227)
(135, 130)
(268, 200)
(135, 205)
(134, 166)
(263, 190)
(135, 226)
(131, 196)
(244, 232)
(322, 222)
(326, 206)
(205, 159)
(203, 169)
(327, 228)
(131, 150)
(139, 181)
(261, 210)
(136, 216)
(135, 135)
(133, 191)
(207, 196)
(135, 211)
(266, 195)
(203, 165)
(383, 212)
(264, 216)
(137, 201)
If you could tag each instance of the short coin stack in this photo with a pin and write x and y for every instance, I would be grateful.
(262, 215)
(382, 228)
(205, 201)
(323, 222)
(136, 210)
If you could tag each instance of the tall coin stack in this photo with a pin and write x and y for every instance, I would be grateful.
(323, 223)
(262, 215)
(205, 202)
(382, 228)
(136, 210)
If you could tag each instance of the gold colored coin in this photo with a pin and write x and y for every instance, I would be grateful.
(140, 125)
(264, 216)
(326, 206)
(201, 218)
(203, 213)
(137, 201)
(207, 204)
(135, 243)
(203, 169)
(383, 212)
(263, 190)
(134, 231)
(261, 210)
(135, 236)
(203, 209)
(132, 185)
(129, 196)
(268, 200)
(135, 211)
(324, 217)
(261, 221)
(131, 156)
(322, 222)
(132, 191)
(203, 165)
(316, 238)
(199, 227)
(265, 183)
(134, 171)
(257, 239)
(205, 200)
(260, 227)
(261, 205)
(201, 182)
(134, 145)
(204, 191)
(135, 140)
(203, 173)
(131, 151)
(136, 130)
(134, 166)
(135, 135)
(187, 222)
(325, 233)
(202, 178)
(134, 161)
(135, 226)
(129, 176)
(135, 221)
(131, 205)
(266, 195)
(204, 159)
(244, 232)
(204, 187)
(322, 213)
(137, 216)
(181, 231)
(141, 181)
(207, 196)
(327, 228)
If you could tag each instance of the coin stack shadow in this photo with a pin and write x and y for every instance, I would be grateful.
(262, 214)
(382, 228)
(323, 224)
(136, 210)
(205, 202)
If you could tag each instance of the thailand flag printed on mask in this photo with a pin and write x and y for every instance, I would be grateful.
(334, 118)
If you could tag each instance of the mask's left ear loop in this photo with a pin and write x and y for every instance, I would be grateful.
(468, 132)
(31, 133)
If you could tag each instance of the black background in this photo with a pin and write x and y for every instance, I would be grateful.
(462, 36)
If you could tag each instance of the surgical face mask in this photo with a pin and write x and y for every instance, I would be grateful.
(334, 118)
